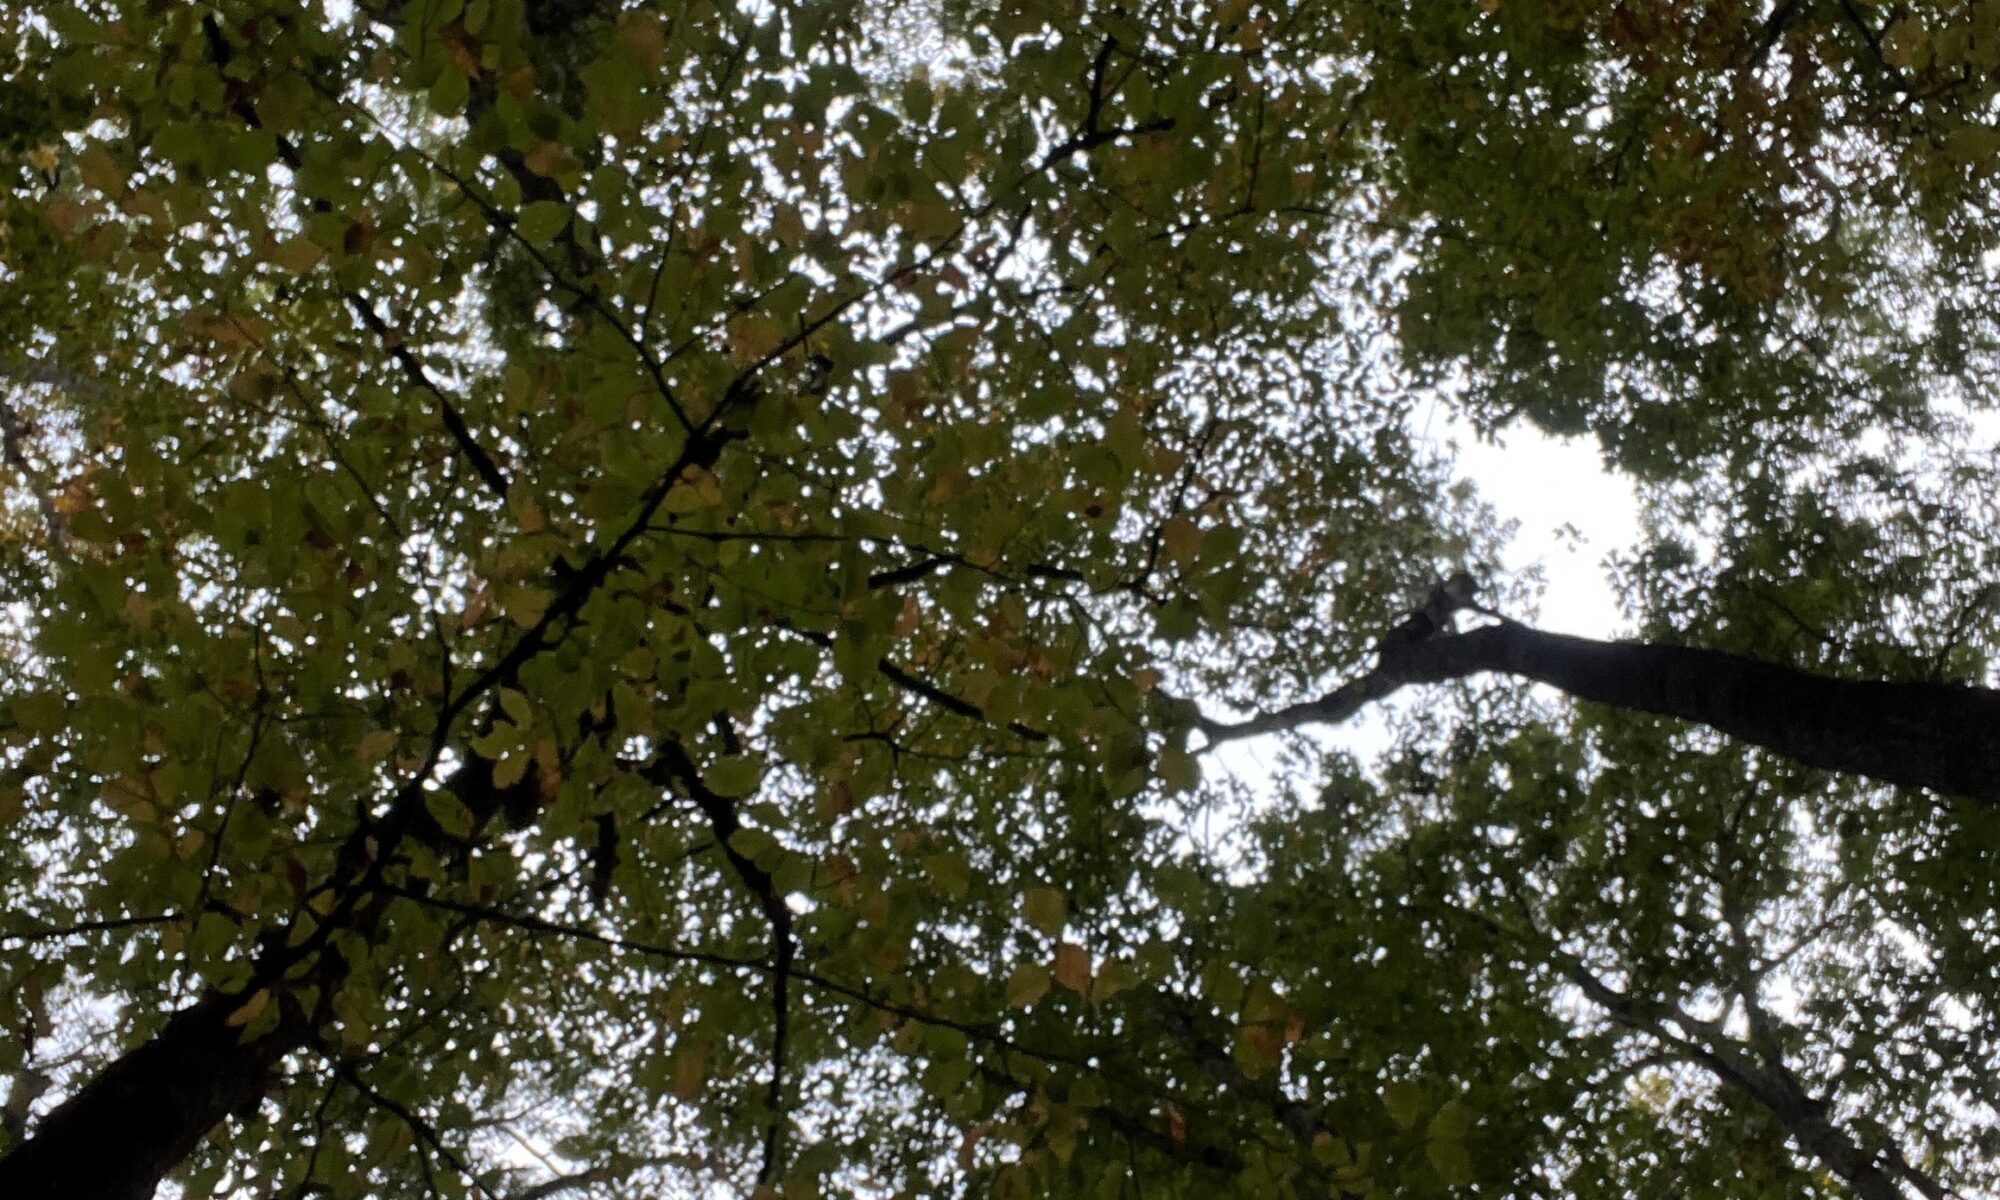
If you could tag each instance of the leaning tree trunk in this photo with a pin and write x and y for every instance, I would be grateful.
(143, 1115)
(1945, 737)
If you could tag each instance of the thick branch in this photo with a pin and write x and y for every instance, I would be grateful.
(723, 819)
(1771, 1084)
(1945, 737)
(461, 434)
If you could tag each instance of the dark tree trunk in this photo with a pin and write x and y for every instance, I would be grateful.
(143, 1115)
(1945, 737)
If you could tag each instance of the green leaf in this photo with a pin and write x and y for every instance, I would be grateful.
(735, 775)
(1451, 1160)
(450, 93)
(525, 604)
(451, 815)
(949, 871)
(541, 221)
(1405, 1102)
(1045, 909)
(1028, 984)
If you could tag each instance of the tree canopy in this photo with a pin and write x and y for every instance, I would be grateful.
(620, 598)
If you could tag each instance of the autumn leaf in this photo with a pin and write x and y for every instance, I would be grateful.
(375, 745)
(247, 1012)
(1182, 538)
(1072, 967)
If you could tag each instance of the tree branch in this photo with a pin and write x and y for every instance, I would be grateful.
(1945, 737)
(723, 819)
(454, 422)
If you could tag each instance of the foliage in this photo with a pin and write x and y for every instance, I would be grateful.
(677, 540)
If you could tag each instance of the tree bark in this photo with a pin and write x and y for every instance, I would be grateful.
(143, 1115)
(1944, 737)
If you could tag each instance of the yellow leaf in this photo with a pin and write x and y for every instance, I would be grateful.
(375, 745)
(249, 1009)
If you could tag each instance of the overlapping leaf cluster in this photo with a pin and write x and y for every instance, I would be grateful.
(633, 579)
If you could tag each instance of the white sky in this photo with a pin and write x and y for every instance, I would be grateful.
(1544, 484)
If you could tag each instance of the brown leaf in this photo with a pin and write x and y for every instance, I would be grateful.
(968, 1144)
(645, 39)
(65, 214)
(690, 1071)
(462, 47)
(1263, 1045)
(1072, 968)
(1182, 538)
(545, 159)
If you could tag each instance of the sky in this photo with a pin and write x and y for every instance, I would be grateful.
(1545, 484)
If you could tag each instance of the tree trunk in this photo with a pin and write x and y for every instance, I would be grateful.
(1945, 737)
(143, 1115)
